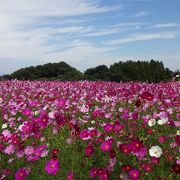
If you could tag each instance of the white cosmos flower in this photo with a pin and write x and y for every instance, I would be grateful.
(178, 132)
(4, 126)
(162, 121)
(151, 122)
(155, 151)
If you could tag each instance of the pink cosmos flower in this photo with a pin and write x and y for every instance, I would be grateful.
(21, 174)
(61, 102)
(27, 128)
(10, 149)
(141, 153)
(7, 133)
(155, 160)
(118, 128)
(20, 154)
(134, 174)
(70, 175)
(39, 150)
(146, 167)
(178, 161)
(29, 150)
(52, 166)
(84, 135)
(177, 123)
(94, 133)
(93, 172)
(103, 175)
(162, 139)
(106, 146)
(27, 112)
(43, 121)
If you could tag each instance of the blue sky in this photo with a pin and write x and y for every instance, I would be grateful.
(86, 33)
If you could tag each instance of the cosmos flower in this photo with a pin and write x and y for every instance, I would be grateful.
(155, 160)
(106, 146)
(6, 133)
(10, 149)
(116, 119)
(147, 95)
(21, 174)
(134, 174)
(175, 168)
(70, 175)
(108, 127)
(162, 139)
(4, 126)
(135, 145)
(85, 135)
(151, 122)
(52, 166)
(146, 167)
(93, 172)
(89, 151)
(162, 121)
(155, 151)
(126, 168)
(26, 127)
(29, 150)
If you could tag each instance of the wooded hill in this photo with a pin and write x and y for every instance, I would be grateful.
(152, 71)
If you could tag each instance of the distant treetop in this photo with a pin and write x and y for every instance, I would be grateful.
(152, 71)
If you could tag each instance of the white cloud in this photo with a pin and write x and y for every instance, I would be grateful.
(167, 25)
(111, 30)
(21, 34)
(42, 30)
(52, 8)
(80, 50)
(143, 37)
(114, 29)
(141, 14)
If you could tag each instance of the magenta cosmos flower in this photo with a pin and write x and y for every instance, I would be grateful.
(109, 127)
(21, 174)
(52, 166)
(134, 174)
(70, 175)
(106, 146)
(89, 151)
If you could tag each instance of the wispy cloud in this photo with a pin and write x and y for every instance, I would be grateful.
(115, 29)
(141, 14)
(109, 31)
(23, 37)
(167, 25)
(143, 37)
(74, 30)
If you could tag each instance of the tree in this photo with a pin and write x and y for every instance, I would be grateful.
(98, 73)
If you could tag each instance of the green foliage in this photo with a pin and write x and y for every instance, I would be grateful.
(52, 71)
(98, 73)
(153, 71)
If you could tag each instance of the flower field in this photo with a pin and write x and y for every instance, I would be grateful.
(89, 130)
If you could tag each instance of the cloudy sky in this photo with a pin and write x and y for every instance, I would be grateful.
(86, 33)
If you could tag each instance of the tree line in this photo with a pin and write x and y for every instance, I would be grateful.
(151, 71)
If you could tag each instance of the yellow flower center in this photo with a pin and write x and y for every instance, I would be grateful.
(52, 166)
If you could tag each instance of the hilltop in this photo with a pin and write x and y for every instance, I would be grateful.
(152, 71)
